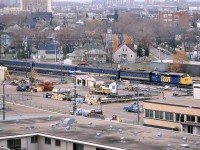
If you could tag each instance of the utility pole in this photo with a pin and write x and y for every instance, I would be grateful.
(4, 113)
(74, 102)
(138, 111)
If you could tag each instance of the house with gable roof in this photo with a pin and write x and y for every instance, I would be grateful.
(125, 54)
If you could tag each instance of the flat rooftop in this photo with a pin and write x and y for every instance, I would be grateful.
(183, 101)
(136, 137)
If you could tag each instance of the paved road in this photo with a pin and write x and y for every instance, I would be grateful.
(155, 52)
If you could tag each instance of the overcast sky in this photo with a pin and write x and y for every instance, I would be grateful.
(91, 0)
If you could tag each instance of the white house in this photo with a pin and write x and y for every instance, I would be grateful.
(125, 54)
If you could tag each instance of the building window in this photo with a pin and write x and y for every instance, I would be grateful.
(149, 113)
(48, 141)
(34, 139)
(178, 117)
(169, 116)
(14, 143)
(131, 55)
(159, 115)
(78, 146)
(190, 118)
(176, 17)
(198, 119)
(119, 55)
(57, 143)
(123, 49)
(126, 49)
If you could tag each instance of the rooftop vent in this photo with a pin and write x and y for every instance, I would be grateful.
(123, 140)
(169, 146)
(68, 122)
(98, 134)
(159, 135)
(67, 128)
(111, 127)
(120, 131)
(184, 146)
(50, 118)
(90, 124)
(184, 139)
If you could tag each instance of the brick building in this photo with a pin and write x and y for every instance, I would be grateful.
(174, 18)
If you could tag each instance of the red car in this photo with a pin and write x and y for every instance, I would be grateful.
(83, 63)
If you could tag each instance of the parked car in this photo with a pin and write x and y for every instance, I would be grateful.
(22, 88)
(79, 112)
(89, 112)
(133, 108)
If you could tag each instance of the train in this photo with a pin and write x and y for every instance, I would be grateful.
(59, 69)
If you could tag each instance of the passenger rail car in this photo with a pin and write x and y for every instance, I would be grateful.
(45, 68)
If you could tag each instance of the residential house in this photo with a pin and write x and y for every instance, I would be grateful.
(49, 50)
(125, 54)
(91, 52)
(96, 56)
(77, 55)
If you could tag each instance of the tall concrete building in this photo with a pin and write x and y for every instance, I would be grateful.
(36, 5)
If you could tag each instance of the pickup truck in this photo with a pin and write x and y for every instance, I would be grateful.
(133, 108)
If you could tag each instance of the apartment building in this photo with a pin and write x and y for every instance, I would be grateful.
(36, 5)
(178, 113)
(174, 18)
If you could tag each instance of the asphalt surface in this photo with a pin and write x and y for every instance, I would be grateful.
(38, 100)
(155, 52)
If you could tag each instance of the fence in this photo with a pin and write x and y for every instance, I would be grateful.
(25, 99)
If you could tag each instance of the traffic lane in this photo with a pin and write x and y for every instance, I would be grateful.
(156, 52)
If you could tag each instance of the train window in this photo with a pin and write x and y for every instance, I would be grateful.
(185, 75)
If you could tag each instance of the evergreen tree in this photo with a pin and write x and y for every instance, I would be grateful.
(139, 51)
(146, 53)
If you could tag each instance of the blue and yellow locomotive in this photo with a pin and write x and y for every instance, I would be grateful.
(171, 78)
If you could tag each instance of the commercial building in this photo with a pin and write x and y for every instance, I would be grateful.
(174, 18)
(36, 5)
(62, 133)
(174, 113)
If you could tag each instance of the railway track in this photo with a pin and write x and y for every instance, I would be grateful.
(132, 81)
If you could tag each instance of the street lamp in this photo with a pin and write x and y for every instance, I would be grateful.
(138, 110)
(180, 128)
(74, 102)
(4, 113)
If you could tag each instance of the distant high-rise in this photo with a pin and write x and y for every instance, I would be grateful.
(9, 2)
(36, 5)
(120, 2)
(149, 2)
